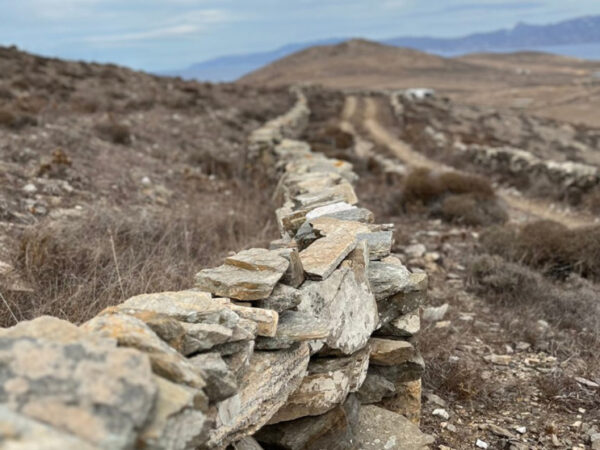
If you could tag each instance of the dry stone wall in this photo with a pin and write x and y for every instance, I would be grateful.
(306, 345)
(508, 159)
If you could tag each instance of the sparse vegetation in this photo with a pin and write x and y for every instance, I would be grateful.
(456, 197)
(79, 265)
(549, 246)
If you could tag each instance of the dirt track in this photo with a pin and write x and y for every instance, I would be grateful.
(520, 208)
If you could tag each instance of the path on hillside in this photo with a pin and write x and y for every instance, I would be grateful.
(520, 208)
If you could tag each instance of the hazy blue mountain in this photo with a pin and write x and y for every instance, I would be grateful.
(578, 37)
(582, 30)
(232, 67)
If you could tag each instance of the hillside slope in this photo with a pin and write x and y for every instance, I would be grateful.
(554, 86)
(107, 174)
(360, 63)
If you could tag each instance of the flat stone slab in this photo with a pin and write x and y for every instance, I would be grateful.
(258, 260)
(265, 319)
(249, 275)
(324, 255)
(387, 352)
(294, 327)
(283, 298)
(388, 279)
(405, 326)
(264, 389)
(332, 430)
(379, 243)
(327, 384)
(343, 303)
(294, 275)
(185, 306)
(380, 429)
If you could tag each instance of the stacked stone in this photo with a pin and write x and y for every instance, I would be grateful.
(274, 343)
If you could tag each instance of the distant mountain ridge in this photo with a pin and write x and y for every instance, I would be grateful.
(569, 32)
(581, 30)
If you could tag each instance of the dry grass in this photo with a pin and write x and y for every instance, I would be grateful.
(549, 246)
(15, 120)
(78, 266)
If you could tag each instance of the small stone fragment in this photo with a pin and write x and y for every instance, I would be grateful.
(379, 243)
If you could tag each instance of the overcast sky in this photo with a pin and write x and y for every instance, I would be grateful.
(171, 34)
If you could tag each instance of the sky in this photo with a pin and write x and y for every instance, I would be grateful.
(158, 35)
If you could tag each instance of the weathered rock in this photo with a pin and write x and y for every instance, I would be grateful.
(409, 299)
(323, 256)
(342, 302)
(176, 423)
(408, 371)
(405, 326)
(379, 242)
(258, 260)
(386, 352)
(327, 384)
(249, 275)
(168, 329)
(353, 215)
(265, 319)
(294, 327)
(289, 219)
(375, 388)
(405, 401)
(20, 432)
(333, 430)
(294, 275)
(380, 429)
(89, 380)
(185, 306)
(282, 299)
(327, 210)
(387, 279)
(239, 361)
(264, 388)
(46, 328)
(328, 225)
(129, 331)
(203, 336)
(220, 381)
(247, 443)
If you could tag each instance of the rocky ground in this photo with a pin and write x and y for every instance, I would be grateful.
(499, 374)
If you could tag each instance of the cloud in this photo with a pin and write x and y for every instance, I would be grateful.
(190, 23)
(512, 6)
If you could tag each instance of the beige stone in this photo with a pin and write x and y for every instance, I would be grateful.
(264, 389)
(323, 256)
(266, 319)
(387, 352)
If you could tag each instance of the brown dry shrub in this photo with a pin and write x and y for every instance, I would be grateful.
(15, 120)
(469, 209)
(115, 132)
(549, 246)
(78, 266)
(563, 390)
(511, 284)
(591, 201)
(456, 197)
